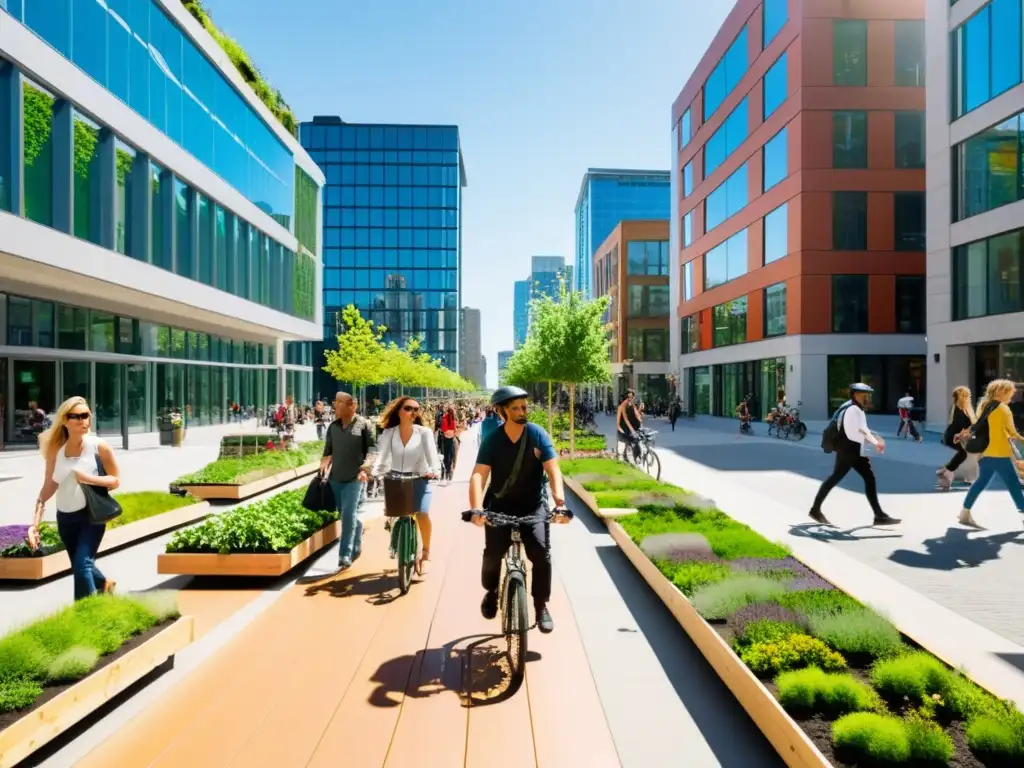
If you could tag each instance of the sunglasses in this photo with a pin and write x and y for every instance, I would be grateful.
(79, 416)
(411, 408)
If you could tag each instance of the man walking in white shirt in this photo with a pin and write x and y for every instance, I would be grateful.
(849, 449)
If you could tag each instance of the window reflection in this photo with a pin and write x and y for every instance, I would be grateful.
(776, 163)
(849, 221)
(849, 303)
(987, 167)
(849, 140)
(726, 74)
(775, 310)
(729, 322)
(726, 261)
(849, 52)
(776, 86)
(776, 234)
(37, 154)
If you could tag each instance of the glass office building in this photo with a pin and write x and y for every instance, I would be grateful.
(607, 197)
(520, 312)
(546, 274)
(158, 226)
(392, 231)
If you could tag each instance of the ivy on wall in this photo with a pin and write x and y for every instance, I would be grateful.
(268, 94)
(306, 194)
(304, 286)
(38, 122)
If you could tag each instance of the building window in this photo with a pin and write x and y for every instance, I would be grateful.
(124, 207)
(849, 52)
(986, 58)
(648, 345)
(728, 199)
(987, 169)
(184, 201)
(688, 281)
(909, 52)
(908, 211)
(776, 166)
(687, 179)
(684, 129)
(726, 261)
(648, 301)
(30, 323)
(72, 327)
(910, 304)
(849, 303)
(849, 140)
(729, 322)
(88, 199)
(891, 376)
(774, 19)
(726, 139)
(775, 310)
(206, 240)
(849, 221)
(726, 75)
(776, 86)
(648, 257)
(776, 234)
(687, 229)
(987, 277)
(910, 139)
(37, 154)
(689, 334)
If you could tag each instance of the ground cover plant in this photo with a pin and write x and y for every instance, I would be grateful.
(68, 645)
(843, 671)
(238, 470)
(135, 505)
(273, 525)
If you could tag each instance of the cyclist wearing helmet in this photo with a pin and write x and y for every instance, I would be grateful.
(515, 458)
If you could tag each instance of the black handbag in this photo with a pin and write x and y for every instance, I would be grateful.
(319, 496)
(101, 506)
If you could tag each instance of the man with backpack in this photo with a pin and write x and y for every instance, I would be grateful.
(845, 436)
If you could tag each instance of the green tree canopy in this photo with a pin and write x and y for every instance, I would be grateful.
(360, 356)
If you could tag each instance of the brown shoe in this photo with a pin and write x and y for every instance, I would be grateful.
(109, 587)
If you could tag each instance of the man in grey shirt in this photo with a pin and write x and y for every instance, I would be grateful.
(349, 452)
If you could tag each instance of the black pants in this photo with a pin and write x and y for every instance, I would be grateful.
(538, 550)
(908, 424)
(958, 458)
(672, 420)
(845, 461)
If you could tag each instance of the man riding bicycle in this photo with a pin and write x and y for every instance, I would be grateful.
(516, 458)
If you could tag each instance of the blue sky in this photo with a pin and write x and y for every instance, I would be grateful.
(540, 91)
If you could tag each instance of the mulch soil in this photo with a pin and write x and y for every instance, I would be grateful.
(50, 692)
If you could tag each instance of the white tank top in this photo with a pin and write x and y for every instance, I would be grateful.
(69, 496)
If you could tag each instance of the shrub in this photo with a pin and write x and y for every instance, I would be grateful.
(913, 676)
(878, 737)
(74, 664)
(768, 631)
(691, 575)
(162, 603)
(812, 601)
(813, 691)
(758, 611)
(928, 742)
(234, 469)
(996, 739)
(794, 652)
(21, 658)
(18, 694)
(718, 601)
(857, 631)
(106, 624)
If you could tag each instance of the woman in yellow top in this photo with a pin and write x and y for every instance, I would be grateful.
(998, 457)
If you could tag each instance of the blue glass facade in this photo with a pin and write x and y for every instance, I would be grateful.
(985, 55)
(392, 241)
(608, 197)
(134, 50)
(520, 312)
(546, 274)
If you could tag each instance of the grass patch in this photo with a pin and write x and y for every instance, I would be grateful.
(817, 601)
(995, 739)
(915, 676)
(888, 739)
(691, 575)
(718, 601)
(795, 652)
(768, 631)
(728, 539)
(233, 469)
(860, 631)
(606, 468)
(814, 691)
(140, 505)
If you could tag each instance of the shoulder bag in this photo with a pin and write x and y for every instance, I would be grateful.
(101, 506)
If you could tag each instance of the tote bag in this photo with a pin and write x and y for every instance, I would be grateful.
(101, 505)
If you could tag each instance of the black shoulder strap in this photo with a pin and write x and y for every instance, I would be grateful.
(514, 474)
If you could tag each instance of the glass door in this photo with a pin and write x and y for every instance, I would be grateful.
(33, 398)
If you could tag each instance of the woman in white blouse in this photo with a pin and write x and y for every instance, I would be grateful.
(407, 447)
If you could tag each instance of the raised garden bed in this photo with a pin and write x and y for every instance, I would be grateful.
(265, 538)
(245, 444)
(146, 514)
(826, 679)
(60, 669)
(237, 478)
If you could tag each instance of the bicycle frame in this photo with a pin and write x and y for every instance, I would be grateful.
(515, 567)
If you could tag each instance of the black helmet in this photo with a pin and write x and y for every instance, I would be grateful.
(503, 394)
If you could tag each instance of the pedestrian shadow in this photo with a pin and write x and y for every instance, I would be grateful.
(475, 668)
(828, 533)
(378, 588)
(955, 550)
(1014, 659)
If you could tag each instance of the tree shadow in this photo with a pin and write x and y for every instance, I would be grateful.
(821, 532)
(956, 550)
(379, 588)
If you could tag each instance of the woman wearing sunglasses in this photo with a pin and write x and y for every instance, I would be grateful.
(73, 456)
(406, 447)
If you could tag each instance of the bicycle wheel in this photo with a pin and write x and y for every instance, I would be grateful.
(653, 464)
(517, 625)
(406, 552)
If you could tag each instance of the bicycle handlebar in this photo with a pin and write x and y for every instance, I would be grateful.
(498, 519)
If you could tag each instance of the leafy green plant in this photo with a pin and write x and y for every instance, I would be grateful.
(768, 631)
(273, 525)
(691, 575)
(718, 601)
(812, 690)
(857, 632)
(877, 737)
(794, 652)
(996, 739)
(815, 601)
(49, 542)
(232, 470)
(913, 676)
(928, 742)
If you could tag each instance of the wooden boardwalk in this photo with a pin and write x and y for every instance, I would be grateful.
(340, 673)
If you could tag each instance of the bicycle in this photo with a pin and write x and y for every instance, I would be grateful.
(643, 454)
(515, 620)
(402, 524)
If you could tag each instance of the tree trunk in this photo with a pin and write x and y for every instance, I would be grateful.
(551, 414)
(572, 420)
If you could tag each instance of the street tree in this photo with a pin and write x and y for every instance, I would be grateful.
(360, 357)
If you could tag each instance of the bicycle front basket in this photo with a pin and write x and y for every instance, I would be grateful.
(399, 496)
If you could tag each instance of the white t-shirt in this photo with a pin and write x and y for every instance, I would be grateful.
(418, 456)
(853, 421)
(69, 496)
(905, 402)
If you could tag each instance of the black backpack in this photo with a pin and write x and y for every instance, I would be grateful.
(977, 440)
(831, 436)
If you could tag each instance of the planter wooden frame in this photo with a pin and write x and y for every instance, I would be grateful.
(42, 725)
(245, 564)
(793, 745)
(235, 492)
(39, 568)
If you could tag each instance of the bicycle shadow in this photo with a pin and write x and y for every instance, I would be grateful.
(828, 533)
(477, 672)
(378, 588)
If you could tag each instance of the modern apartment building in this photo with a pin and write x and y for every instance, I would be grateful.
(608, 196)
(976, 199)
(470, 358)
(632, 267)
(520, 312)
(392, 230)
(799, 208)
(503, 358)
(158, 225)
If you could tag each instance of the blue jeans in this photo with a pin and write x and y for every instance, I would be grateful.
(349, 498)
(82, 539)
(992, 465)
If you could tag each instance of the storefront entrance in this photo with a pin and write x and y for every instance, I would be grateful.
(31, 395)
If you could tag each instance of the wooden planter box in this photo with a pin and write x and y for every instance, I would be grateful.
(42, 725)
(38, 568)
(244, 564)
(235, 492)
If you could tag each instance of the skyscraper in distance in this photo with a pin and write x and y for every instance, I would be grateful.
(520, 312)
(608, 196)
(392, 230)
(469, 347)
(503, 358)
(545, 274)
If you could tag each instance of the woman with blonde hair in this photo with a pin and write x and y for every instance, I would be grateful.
(998, 456)
(73, 457)
(961, 417)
